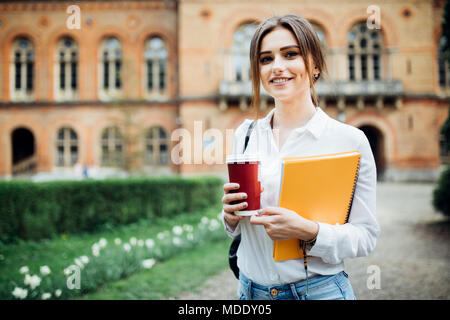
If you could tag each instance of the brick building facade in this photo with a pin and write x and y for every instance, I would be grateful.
(110, 94)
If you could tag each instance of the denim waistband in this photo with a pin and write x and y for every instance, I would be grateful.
(314, 282)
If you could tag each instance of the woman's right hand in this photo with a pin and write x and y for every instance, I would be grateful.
(229, 209)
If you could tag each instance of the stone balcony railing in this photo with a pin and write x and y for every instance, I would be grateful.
(390, 88)
(340, 91)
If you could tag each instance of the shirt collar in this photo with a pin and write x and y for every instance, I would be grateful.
(315, 125)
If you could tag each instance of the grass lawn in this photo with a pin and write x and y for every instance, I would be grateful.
(184, 272)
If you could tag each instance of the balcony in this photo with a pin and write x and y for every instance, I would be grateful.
(236, 89)
(373, 88)
(384, 88)
(362, 93)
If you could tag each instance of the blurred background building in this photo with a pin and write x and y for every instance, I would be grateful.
(103, 97)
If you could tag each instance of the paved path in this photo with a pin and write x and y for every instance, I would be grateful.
(412, 253)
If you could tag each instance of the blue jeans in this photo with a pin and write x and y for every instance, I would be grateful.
(333, 287)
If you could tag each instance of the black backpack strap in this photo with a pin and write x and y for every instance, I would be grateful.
(247, 136)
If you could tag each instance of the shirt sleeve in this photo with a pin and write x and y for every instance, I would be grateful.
(238, 146)
(231, 233)
(358, 237)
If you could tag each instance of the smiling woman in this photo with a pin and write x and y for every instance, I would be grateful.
(284, 45)
(286, 58)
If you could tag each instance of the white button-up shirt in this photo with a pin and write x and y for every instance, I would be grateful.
(357, 238)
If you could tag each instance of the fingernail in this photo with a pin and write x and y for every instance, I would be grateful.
(236, 185)
(245, 204)
(244, 196)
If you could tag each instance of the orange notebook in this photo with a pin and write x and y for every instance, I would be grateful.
(319, 188)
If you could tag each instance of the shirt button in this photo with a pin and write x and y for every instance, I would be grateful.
(274, 292)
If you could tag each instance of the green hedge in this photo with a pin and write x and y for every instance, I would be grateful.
(441, 195)
(33, 211)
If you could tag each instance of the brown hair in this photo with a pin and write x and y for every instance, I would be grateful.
(307, 40)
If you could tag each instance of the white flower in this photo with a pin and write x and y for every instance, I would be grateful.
(102, 242)
(24, 270)
(190, 237)
(140, 243)
(58, 293)
(149, 243)
(32, 281)
(20, 293)
(67, 271)
(148, 264)
(160, 236)
(176, 241)
(177, 230)
(96, 249)
(204, 220)
(46, 296)
(133, 241)
(117, 241)
(84, 259)
(127, 247)
(45, 270)
(188, 228)
(213, 225)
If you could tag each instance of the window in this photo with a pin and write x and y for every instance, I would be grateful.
(443, 65)
(364, 48)
(22, 70)
(112, 147)
(155, 57)
(110, 67)
(66, 70)
(66, 147)
(444, 153)
(156, 147)
(241, 50)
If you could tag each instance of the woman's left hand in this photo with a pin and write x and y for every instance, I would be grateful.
(282, 224)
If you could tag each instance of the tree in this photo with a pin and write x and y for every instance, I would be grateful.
(445, 130)
(441, 194)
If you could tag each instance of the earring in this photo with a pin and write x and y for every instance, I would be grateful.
(316, 76)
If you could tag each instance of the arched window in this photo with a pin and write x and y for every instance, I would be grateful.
(443, 65)
(66, 147)
(156, 147)
(22, 70)
(365, 48)
(112, 147)
(66, 69)
(155, 56)
(110, 67)
(241, 50)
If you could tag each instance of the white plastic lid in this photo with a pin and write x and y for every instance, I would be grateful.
(241, 158)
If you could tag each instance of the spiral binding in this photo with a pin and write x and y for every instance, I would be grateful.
(353, 190)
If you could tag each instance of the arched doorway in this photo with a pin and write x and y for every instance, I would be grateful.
(376, 141)
(24, 158)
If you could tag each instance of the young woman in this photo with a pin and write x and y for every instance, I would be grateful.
(286, 57)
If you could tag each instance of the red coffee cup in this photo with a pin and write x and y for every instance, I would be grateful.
(245, 170)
